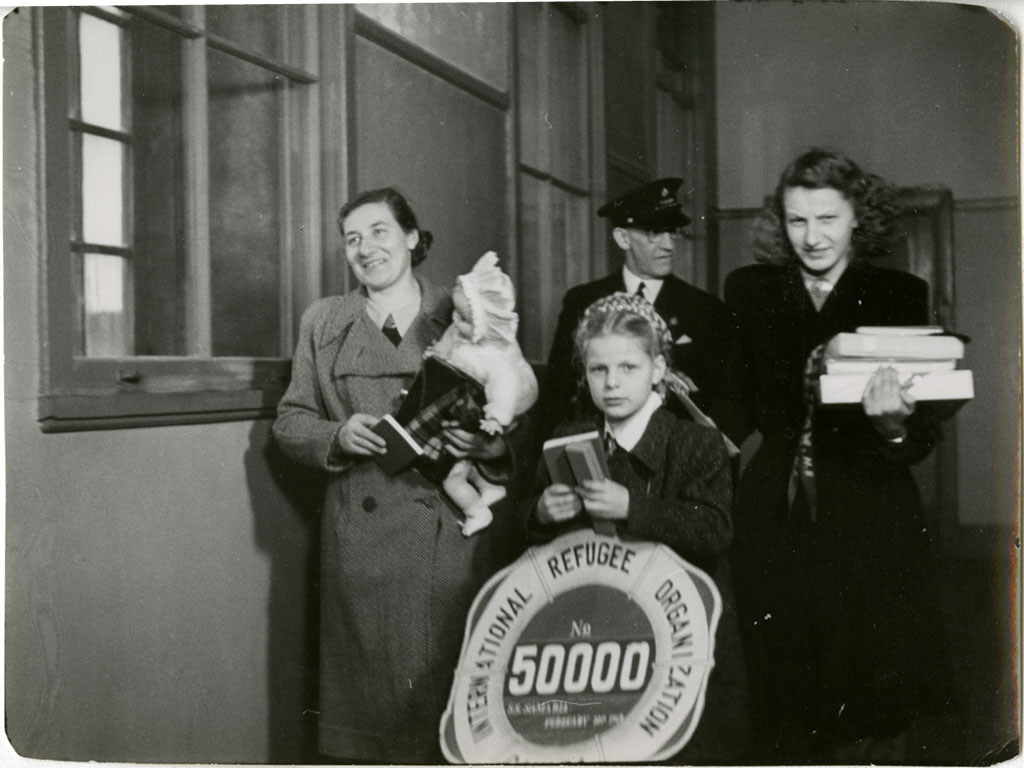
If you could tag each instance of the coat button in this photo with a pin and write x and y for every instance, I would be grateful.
(369, 504)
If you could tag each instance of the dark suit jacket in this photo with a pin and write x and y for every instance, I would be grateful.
(859, 579)
(706, 350)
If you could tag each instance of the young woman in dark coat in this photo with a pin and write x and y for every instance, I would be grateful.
(835, 583)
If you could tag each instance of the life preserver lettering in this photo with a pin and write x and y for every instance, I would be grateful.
(582, 667)
(612, 555)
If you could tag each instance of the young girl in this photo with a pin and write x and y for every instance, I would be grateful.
(670, 483)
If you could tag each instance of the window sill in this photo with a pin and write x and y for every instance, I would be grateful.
(128, 410)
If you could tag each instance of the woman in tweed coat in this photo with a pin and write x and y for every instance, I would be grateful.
(397, 575)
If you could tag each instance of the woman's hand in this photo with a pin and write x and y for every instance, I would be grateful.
(557, 504)
(605, 499)
(358, 438)
(471, 445)
(887, 403)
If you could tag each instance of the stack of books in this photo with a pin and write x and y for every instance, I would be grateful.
(924, 357)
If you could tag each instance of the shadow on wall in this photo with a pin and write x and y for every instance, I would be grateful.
(286, 500)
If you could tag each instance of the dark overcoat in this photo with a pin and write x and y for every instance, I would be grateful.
(680, 494)
(705, 349)
(397, 576)
(843, 607)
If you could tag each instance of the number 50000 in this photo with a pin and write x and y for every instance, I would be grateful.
(608, 666)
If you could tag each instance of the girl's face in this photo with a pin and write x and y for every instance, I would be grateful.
(377, 248)
(819, 224)
(620, 375)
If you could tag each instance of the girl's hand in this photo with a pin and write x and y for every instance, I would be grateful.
(357, 437)
(471, 445)
(605, 499)
(887, 403)
(557, 504)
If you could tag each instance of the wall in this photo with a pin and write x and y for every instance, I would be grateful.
(161, 582)
(172, 561)
(922, 93)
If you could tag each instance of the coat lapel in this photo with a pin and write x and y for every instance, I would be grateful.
(364, 351)
(652, 448)
(787, 305)
(671, 304)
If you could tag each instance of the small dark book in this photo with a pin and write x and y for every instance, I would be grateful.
(574, 458)
(402, 449)
(581, 453)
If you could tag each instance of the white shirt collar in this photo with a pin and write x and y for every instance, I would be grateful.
(628, 433)
(651, 285)
(404, 313)
(830, 278)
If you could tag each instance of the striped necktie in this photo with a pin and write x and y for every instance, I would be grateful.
(391, 331)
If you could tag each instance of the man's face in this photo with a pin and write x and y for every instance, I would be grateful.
(648, 254)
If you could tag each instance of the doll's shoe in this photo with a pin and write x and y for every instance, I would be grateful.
(478, 517)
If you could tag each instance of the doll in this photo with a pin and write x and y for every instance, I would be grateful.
(481, 342)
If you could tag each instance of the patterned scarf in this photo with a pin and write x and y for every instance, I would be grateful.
(802, 472)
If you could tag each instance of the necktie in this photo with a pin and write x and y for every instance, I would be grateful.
(641, 290)
(820, 289)
(610, 444)
(391, 331)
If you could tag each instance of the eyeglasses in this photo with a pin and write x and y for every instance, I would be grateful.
(652, 235)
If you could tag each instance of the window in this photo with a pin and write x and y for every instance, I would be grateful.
(182, 222)
(557, 151)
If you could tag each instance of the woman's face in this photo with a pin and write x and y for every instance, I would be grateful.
(377, 248)
(819, 225)
(620, 375)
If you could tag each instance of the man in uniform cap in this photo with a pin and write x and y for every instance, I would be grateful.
(646, 224)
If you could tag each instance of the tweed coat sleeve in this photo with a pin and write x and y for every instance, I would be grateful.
(686, 499)
(303, 428)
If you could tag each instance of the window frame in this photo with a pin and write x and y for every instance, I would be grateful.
(80, 393)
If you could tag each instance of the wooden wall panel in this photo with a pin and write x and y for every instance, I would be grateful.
(444, 149)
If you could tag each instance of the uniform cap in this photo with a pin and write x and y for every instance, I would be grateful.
(652, 206)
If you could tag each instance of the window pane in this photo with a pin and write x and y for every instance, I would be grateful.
(574, 241)
(158, 181)
(100, 67)
(471, 36)
(568, 98)
(256, 28)
(102, 191)
(532, 130)
(246, 194)
(106, 306)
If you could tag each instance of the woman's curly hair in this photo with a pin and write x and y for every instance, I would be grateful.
(873, 200)
(400, 209)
